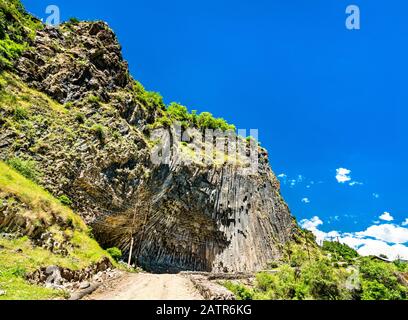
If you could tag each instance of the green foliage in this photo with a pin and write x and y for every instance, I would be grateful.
(20, 113)
(115, 253)
(69, 105)
(322, 281)
(283, 285)
(379, 281)
(20, 256)
(9, 51)
(27, 168)
(93, 99)
(73, 20)
(65, 200)
(240, 291)
(154, 99)
(3, 84)
(401, 265)
(18, 271)
(150, 99)
(16, 28)
(314, 280)
(178, 113)
(296, 255)
(340, 251)
(79, 117)
(99, 131)
(207, 121)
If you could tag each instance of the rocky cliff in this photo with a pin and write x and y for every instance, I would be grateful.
(69, 105)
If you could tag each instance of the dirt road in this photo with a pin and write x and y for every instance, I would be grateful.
(145, 286)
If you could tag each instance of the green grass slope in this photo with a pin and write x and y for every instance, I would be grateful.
(31, 208)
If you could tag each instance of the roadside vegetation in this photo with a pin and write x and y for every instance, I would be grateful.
(337, 273)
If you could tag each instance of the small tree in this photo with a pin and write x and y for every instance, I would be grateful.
(115, 253)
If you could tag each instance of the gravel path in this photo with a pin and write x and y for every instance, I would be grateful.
(146, 286)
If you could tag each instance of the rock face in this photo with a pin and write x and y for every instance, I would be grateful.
(181, 216)
(85, 58)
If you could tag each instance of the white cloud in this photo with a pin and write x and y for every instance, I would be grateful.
(376, 195)
(305, 200)
(405, 223)
(367, 247)
(355, 183)
(385, 239)
(282, 175)
(311, 224)
(386, 232)
(343, 175)
(386, 216)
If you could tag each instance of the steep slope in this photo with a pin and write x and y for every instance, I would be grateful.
(36, 231)
(69, 105)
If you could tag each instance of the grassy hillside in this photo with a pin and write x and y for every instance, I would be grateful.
(16, 29)
(26, 211)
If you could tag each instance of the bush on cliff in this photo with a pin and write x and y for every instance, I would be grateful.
(340, 251)
(115, 253)
(16, 27)
(27, 168)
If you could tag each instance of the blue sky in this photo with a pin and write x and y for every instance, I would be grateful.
(323, 97)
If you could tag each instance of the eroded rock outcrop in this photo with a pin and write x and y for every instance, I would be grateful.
(96, 150)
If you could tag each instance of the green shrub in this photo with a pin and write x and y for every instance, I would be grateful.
(155, 99)
(69, 105)
(99, 131)
(115, 253)
(379, 281)
(3, 84)
(340, 251)
(65, 200)
(296, 255)
(16, 28)
(27, 168)
(178, 112)
(322, 281)
(93, 99)
(73, 20)
(79, 117)
(20, 113)
(401, 265)
(265, 281)
(70, 223)
(18, 272)
(149, 99)
(313, 280)
(207, 121)
(239, 290)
